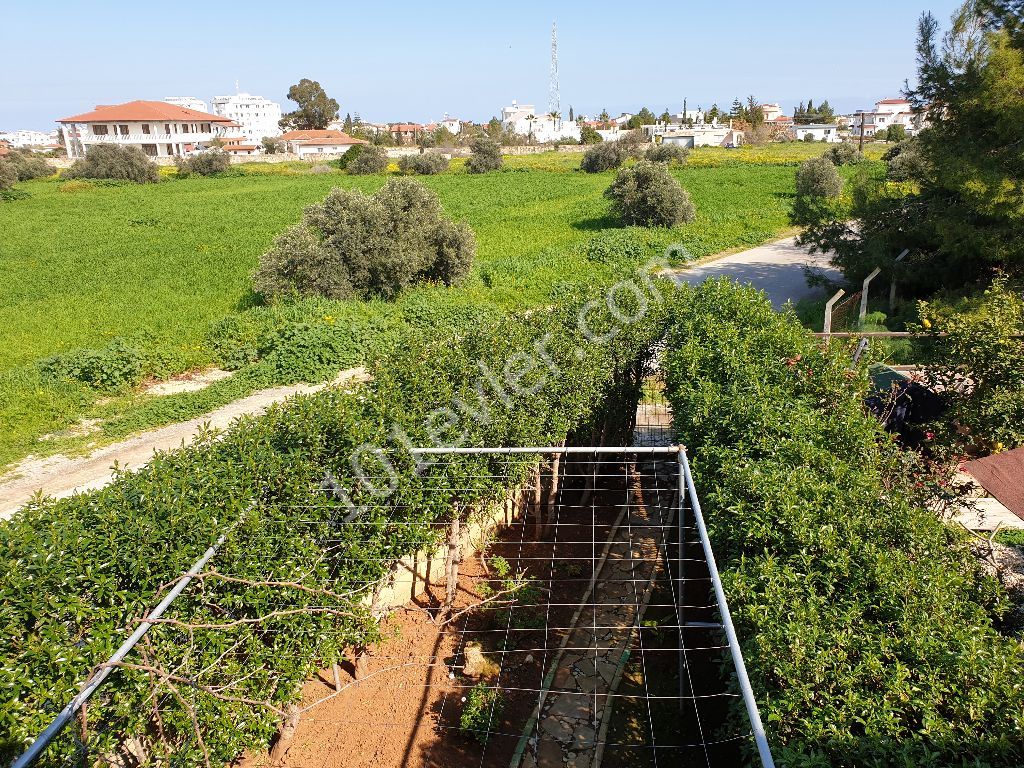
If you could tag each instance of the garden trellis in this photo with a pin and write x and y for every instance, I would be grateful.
(592, 622)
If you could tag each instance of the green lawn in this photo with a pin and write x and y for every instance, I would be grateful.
(84, 265)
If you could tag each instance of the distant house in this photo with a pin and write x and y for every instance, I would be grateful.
(703, 136)
(307, 144)
(238, 145)
(159, 129)
(257, 116)
(822, 132)
(522, 119)
(887, 112)
(188, 102)
(406, 133)
(36, 139)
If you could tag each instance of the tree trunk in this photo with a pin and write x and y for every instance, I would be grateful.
(362, 662)
(538, 509)
(285, 734)
(556, 469)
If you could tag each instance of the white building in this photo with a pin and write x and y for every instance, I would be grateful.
(257, 116)
(524, 120)
(28, 138)
(887, 112)
(821, 132)
(311, 144)
(704, 136)
(452, 124)
(158, 128)
(188, 102)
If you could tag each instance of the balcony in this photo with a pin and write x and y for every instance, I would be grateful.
(146, 138)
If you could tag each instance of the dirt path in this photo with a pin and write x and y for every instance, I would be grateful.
(60, 476)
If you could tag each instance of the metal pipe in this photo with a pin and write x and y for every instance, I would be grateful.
(678, 591)
(827, 329)
(730, 631)
(663, 449)
(42, 741)
(864, 294)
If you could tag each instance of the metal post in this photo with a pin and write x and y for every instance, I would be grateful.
(892, 285)
(864, 294)
(730, 631)
(68, 713)
(827, 330)
(679, 576)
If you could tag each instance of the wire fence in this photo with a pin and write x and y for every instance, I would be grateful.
(576, 616)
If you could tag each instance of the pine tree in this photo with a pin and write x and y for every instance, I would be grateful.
(737, 109)
(356, 119)
(347, 125)
(572, 115)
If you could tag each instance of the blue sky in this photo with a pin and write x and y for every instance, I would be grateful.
(396, 60)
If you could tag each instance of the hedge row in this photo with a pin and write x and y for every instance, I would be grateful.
(869, 633)
(78, 573)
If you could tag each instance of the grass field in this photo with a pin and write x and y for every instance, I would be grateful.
(85, 263)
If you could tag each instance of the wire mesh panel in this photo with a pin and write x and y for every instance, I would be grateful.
(523, 607)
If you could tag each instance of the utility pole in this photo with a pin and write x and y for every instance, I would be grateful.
(863, 117)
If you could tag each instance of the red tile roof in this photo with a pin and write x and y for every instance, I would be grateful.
(404, 127)
(893, 101)
(134, 111)
(344, 141)
(312, 134)
(239, 148)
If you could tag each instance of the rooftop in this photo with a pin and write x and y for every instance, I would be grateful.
(134, 111)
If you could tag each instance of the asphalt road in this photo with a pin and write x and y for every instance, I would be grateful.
(774, 268)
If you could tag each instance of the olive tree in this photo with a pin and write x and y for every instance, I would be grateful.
(603, 157)
(357, 246)
(818, 177)
(647, 195)
(111, 161)
(364, 159)
(425, 164)
(486, 155)
(207, 163)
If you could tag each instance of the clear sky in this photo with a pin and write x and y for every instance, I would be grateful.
(395, 60)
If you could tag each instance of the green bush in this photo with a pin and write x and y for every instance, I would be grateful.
(113, 161)
(818, 177)
(589, 135)
(356, 245)
(619, 245)
(425, 164)
(208, 163)
(865, 622)
(29, 165)
(78, 573)
(603, 157)
(115, 366)
(486, 155)
(647, 195)
(906, 161)
(364, 160)
(8, 175)
(843, 154)
(481, 712)
(667, 153)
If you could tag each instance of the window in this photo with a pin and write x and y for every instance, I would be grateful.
(123, 130)
(145, 130)
(149, 149)
(170, 149)
(206, 127)
(99, 130)
(167, 128)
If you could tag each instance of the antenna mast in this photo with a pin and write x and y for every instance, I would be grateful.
(554, 97)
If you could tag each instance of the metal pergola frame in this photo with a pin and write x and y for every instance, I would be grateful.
(686, 489)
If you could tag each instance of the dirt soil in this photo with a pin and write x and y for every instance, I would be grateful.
(406, 711)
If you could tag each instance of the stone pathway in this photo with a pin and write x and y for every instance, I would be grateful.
(566, 729)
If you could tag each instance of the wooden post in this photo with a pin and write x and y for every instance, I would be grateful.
(556, 468)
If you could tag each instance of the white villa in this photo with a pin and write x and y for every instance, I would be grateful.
(257, 116)
(710, 135)
(158, 128)
(312, 144)
(524, 120)
(887, 112)
(29, 138)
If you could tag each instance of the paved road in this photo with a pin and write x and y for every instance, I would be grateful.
(774, 268)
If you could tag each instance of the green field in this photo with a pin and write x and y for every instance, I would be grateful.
(89, 262)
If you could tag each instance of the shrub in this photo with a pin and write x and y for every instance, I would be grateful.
(648, 196)
(355, 245)
(589, 135)
(481, 712)
(321, 168)
(364, 160)
(272, 145)
(667, 153)
(29, 165)
(865, 623)
(818, 177)
(112, 161)
(425, 164)
(208, 163)
(8, 174)
(603, 157)
(843, 154)
(906, 161)
(117, 365)
(808, 138)
(486, 155)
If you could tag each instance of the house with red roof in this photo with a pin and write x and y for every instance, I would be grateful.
(406, 133)
(313, 143)
(159, 129)
(887, 112)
